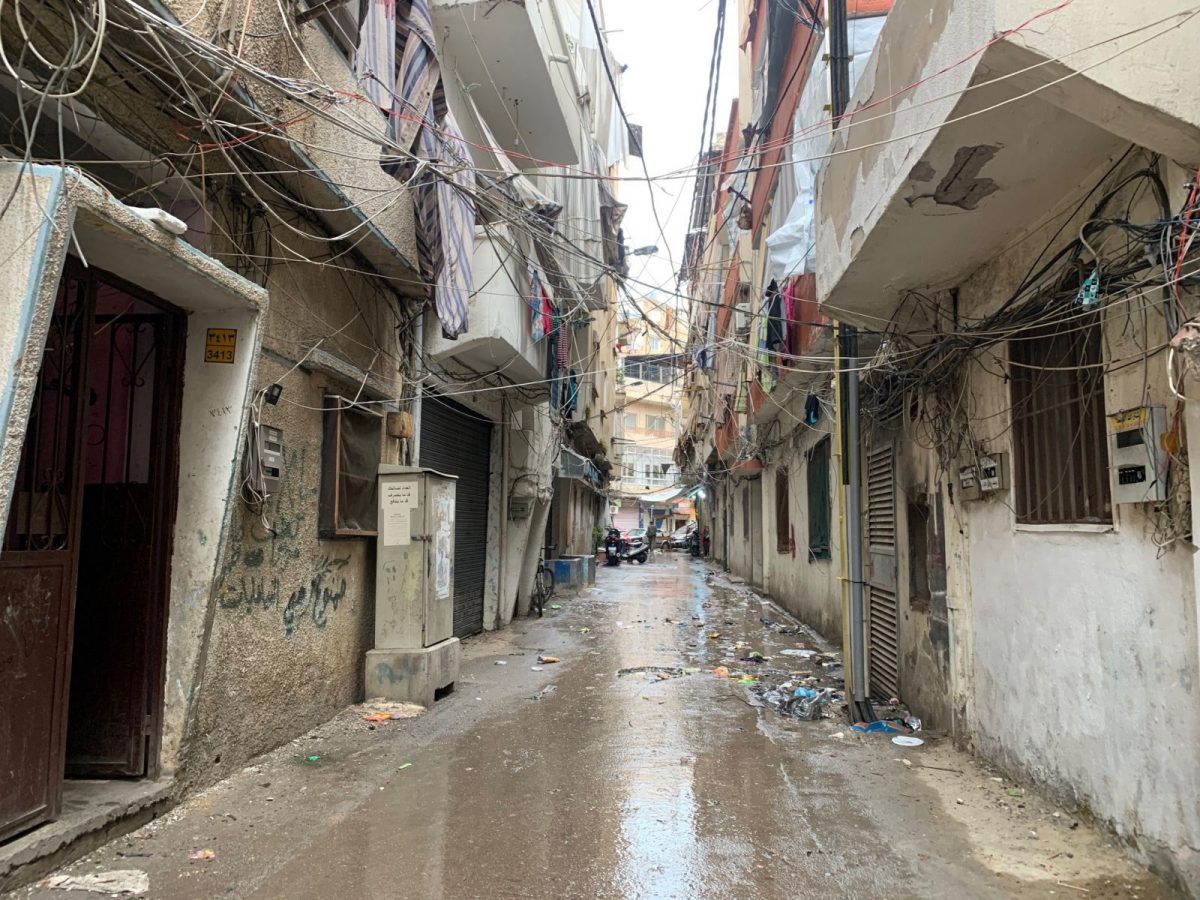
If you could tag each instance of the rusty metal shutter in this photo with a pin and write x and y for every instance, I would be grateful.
(883, 613)
(458, 442)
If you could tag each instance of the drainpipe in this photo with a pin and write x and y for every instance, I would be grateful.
(414, 355)
(851, 479)
(839, 83)
(502, 544)
(839, 60)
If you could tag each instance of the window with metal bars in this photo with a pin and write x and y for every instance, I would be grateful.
(1060, 447)
(819, 501)
(783, 525)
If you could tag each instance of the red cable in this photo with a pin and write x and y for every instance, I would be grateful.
(1183, 230)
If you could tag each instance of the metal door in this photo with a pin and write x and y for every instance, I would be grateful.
(129, 464)
(37, 574)
(456, 441)
(883, 613)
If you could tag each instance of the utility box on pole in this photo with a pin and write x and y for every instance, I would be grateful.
(416, 653)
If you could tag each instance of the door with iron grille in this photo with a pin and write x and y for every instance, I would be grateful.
(883, 612)
(37, 574)
(84, 564)
(131, 423)
(458, 442)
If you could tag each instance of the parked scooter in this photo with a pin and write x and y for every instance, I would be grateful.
(637, 550)
(693, 543)
(614, 544)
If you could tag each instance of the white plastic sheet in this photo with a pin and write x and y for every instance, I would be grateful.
(792, 247)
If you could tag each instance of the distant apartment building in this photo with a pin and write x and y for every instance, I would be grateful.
(646, 484)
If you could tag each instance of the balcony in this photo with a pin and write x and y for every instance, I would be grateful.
(952, 170)
(499, 336)
(502, 48)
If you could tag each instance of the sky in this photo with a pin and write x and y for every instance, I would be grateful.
(667, 46)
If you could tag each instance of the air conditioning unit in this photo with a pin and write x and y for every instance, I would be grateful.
(741, 319)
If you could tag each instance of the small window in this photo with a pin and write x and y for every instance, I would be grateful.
(631, 420)
(350, 457)
(783, 525)
(1060, 447)
(819, 502)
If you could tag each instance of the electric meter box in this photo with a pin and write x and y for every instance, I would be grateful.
(270, 458)
(982, 475)
(1138, 460)
(416, 653)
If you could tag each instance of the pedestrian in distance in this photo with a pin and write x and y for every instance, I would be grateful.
(651, 534)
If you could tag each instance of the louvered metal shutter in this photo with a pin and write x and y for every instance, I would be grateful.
(883, 613)
(458, 442)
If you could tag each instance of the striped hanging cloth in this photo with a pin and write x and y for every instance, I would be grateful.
(375, 57)
(445, 211)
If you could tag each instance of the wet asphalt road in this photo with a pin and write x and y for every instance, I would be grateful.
(574, 782)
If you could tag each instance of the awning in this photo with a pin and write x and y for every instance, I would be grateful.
(572, 465)
(664, 496)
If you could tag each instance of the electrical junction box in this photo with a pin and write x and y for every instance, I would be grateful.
(985, 473)
(416, 654)
(968, 479)
(270, 458)
(1138, 460)
(414, 557)
(993, 472)
(520, 507)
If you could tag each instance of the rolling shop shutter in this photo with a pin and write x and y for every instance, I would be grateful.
(458, 442)
(883, 613)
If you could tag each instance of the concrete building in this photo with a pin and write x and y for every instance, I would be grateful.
(235, 289)
(646, 484)
(759, 419)
(1005, 214)
(1037, 481)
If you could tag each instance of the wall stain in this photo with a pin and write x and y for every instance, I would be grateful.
(962, 185)
(249, 578)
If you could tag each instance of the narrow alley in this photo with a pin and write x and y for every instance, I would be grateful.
(569, 779)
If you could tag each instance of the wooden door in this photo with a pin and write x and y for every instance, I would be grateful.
(37, 574)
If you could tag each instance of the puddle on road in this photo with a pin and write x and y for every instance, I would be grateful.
(641, 774)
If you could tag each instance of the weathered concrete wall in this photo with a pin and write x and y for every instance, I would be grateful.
(340, 144)
(291, 614)
(1083, 657)
(984, 120)
(924, 659)
(744, 550)
(1130, 85)
(853, 189)
(807, 588)
(34, 229)
(530, 452)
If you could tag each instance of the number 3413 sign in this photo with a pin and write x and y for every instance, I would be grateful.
(220, 345)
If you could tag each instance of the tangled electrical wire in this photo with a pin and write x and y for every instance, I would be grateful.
(1112, 268)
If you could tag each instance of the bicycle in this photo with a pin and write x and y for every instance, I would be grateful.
(543, 586)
